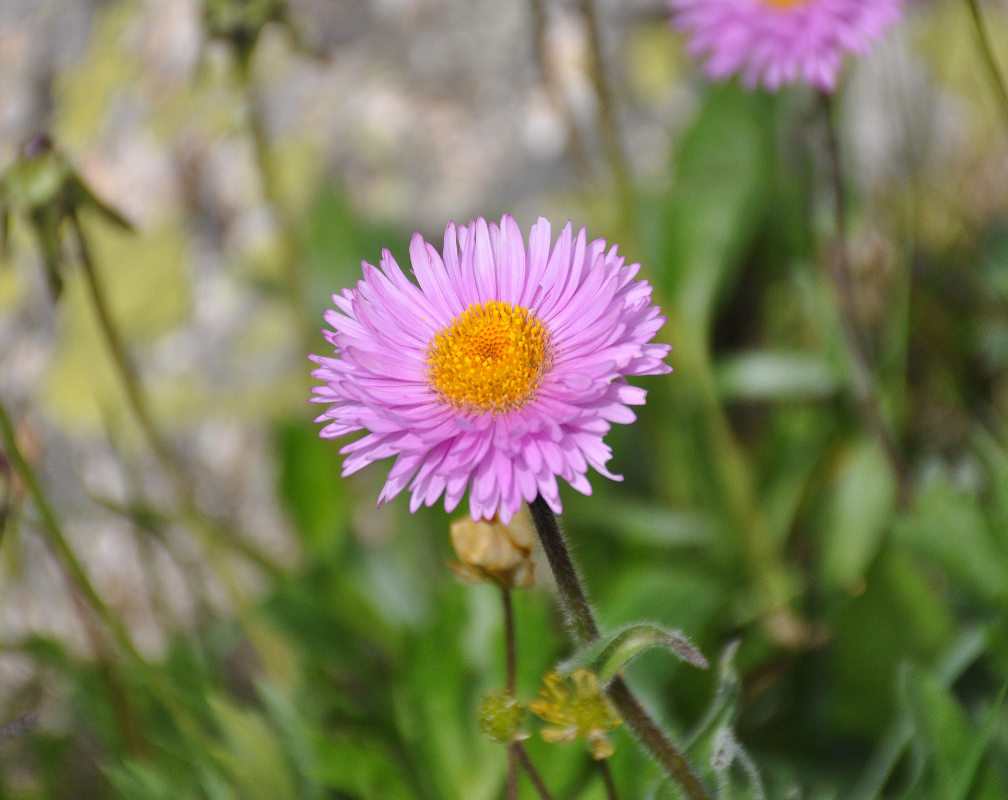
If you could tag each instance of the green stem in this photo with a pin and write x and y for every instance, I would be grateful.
(522, 757)
(190, 511)
(608, 121)
(64, 552)
(575, 143)
(581, 621)
(511, 787)
(8, 492)
(866, 391)
(289, 262)
(987, 53)
(134, 392)
(76, 574)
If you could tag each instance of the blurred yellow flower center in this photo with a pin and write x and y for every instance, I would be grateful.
(490, 358)
(785, 3)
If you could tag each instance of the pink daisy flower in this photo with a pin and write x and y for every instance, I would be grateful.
(500, 372)
(773, 42)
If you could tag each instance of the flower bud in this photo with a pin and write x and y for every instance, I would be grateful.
(500, 717)
(494, 552)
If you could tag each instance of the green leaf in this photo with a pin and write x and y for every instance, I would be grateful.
(311, 488)
(723, 709)
(133, 779)
(941, 726)
(948, 528)
(964, 777)
(250, 754)
(608, 656)
(360, 766)
(899, 617)
(722, 181)
(995, 458)
(296, 733)
(714, 746)
(859, 514)
(630, 521)
(963, 651)
(764, 375)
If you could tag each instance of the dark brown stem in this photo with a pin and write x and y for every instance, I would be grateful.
(511, 787)
(509, 640)
(866, 391)
(579, 616)
(607, 779)
(581, 621)
(522, 757)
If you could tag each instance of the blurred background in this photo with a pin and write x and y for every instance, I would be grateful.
(194, 603)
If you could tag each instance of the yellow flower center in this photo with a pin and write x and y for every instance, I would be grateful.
(490, 358)
(784, 3)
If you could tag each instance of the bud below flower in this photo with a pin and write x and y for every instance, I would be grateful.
(494, 552)
(500, 717)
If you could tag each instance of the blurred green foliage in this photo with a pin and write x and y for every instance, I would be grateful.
(861, 648)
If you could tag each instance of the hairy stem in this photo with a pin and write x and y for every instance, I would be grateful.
(581, 621)
(866, 391)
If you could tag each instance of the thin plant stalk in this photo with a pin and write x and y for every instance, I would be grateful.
(866, 391)
(65, 554)
(136, 397)
(770, 587)
(289, 263)
(575, 142)
(74, 569)
(517, 755)
(119, 699)
(607, 780)
(987, 53)
(511, 788)
(607, 115)
(134, 392)
(581, 621)
(522, 756)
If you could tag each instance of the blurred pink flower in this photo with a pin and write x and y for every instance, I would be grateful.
(770, 43)
(500, 372)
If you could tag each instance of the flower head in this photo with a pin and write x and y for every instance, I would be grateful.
(503, 370)
(576, 709)
(770, 43)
